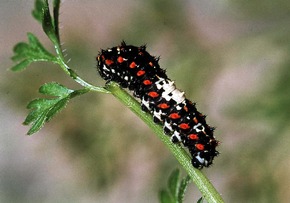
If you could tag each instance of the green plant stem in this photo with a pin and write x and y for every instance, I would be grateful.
(204, 185)
(74, 75)
(60, 60)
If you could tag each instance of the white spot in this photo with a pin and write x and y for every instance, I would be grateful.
(157, 83)
(178, 107)
(176, 135)
(157, 114)
(201, 160)
(105, 68)
(166, 97)
(170, 91)
(146, 104)
(178, 96)
(197, 128)
(168, 126)
(168, 87)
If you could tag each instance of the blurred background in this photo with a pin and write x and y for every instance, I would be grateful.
(231, 57)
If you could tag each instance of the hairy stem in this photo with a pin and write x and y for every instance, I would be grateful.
(76, 77)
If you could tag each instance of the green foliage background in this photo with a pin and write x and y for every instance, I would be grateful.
(232, 58)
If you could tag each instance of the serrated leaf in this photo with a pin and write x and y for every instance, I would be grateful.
(44, 109)
(37, 50)
(54, 89)
(173, 183)
(37, 12)
(31, 117)
(30, 52)
(42, 112)
(56, 108)
(37, 124)
(22, 65)
(165, 197)
(40, 103)
(20, 49)
(38, 107)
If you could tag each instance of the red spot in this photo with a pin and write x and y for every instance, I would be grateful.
(199, 147)
(195, 120)
(193, 137)
(163, 106)
(151, 64)
(120, 59)
(109, 62)
(147, 82)
(174, 116)
(141, 53)
(184, 126)
(185, 108)
(140, 72)
(153, 94)
(132, 65)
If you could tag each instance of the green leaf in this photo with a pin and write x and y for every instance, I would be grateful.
(54, 89)
(37, 124)
(30, 52)
(182, 188)
(21, 65)
(37, 13)
(173, 182)
(48, 24)
(41, 109)
(42, 14)
(38, 103)
(44, 109)
(56, 6)
(56, 108)
(176, 188)
(200, 200)
(165, 197)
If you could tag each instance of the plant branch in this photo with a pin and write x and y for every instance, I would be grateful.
(201, 181)
(75, 76)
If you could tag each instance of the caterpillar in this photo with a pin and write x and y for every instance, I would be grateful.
(134, 68)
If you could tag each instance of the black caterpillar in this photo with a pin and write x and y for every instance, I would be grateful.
(134, 68)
